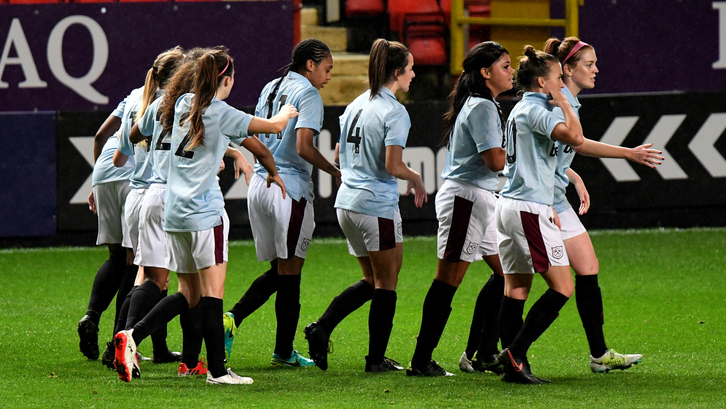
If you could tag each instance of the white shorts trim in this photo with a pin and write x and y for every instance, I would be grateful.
(189, 252)
(110, 200)
(274, 222)
(367, 233)
(459, 205)
(528, 239)
(571, 224)
(132, 208)
(151, 248)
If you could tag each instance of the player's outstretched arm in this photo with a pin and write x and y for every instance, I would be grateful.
(642, 154)
(276, 124)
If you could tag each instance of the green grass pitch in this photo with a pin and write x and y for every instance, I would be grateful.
(663, 292)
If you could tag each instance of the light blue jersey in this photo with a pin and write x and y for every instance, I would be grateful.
(295, 171)
(531, 153)
(194, 201)
(104, 171)
(565, 156)
(367, 127)
(160, 144)
(142, 171)
(478, 128)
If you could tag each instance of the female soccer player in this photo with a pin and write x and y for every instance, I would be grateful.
(579, 68)
(373, 132)
(150, 287)
(110, 188)
(465, 202)
(195, 221)
(528, 236)
(282, 227)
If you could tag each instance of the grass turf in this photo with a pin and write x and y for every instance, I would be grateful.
(662, 289)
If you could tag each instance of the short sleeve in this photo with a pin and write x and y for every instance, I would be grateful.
(310, 109)
(542, 121)
(233, 123)
(124, 143)
(485, 126)
(147, 122)
(397, 124)
(119, 111)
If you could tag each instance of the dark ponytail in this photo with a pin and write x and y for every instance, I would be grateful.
(386, 57)
(533, 65)
(211, 70)
(310, 49)
(472, 83)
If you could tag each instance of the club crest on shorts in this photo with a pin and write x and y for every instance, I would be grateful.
(399, 229)
(305, 244)
(557, 252)
(471, 248)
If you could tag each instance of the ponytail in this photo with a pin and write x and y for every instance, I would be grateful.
(533, 65)
(310, 49)
(164, 67)
(472, 83)
(180, 84)
(211, 69)
(386, 57)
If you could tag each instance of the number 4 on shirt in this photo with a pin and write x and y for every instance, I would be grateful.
(357, 138)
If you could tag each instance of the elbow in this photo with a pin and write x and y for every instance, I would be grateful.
(577, 140)
(393, 169)
(497, 165)
(279, 127)
(119, 160)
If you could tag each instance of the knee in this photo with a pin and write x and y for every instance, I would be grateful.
(589, 269)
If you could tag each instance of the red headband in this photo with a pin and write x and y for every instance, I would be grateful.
(225, 68)
(575, 49)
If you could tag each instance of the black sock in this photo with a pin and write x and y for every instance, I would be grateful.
(348, 301)
(105, 285)
(436, 311)
(287, 311)
(142, 301)
(257, 295)
(477, 322)
(191, 323)
(159, 316)
(213, 333)
(589, 305)
(127, 284)
(158, 337)
(510, 319)
(542, 314)
(124, 313)
(380, 324)
(489, 337)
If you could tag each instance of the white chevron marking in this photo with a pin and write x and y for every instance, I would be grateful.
(615, 135)
(702, 145)
(659, 137)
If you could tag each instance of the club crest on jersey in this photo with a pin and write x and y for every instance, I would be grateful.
(557, 252)
(305, 244)
(471, 248)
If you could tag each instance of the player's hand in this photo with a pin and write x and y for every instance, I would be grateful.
(92, 203)
(278, 180)
(558, 98)
(221, 167)
(241, 165)
(419, 190)
(584, 197)
(288, 111)
(645, 156)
